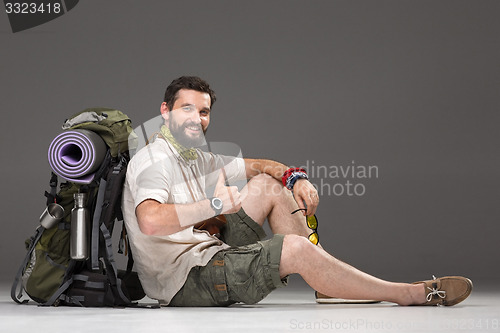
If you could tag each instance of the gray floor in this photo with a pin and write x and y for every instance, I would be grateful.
(285, 310)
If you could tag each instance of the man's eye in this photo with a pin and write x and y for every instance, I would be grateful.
(187, 108)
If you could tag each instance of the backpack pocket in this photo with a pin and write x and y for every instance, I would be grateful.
(47, 268)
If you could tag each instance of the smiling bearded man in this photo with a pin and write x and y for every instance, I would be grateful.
(182, 262)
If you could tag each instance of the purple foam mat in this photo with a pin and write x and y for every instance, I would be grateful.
(75, 155)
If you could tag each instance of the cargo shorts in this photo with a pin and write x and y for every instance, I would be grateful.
(246, 272)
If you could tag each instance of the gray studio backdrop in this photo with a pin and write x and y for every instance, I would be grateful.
(403, 93)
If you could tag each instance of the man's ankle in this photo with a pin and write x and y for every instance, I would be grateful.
(417, 292)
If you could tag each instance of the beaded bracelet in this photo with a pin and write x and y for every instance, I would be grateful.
(292, 175)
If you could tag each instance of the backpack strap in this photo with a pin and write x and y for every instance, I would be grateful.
(52, 195)
(108, 205)
(75, 300)
(111, 270)
(124, 248)
(98, 206)
(113, 195)
(96, 221)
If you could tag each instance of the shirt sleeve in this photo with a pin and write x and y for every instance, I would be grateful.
(152, 181)
(234, 168)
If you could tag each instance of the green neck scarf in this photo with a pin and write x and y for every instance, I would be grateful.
(188, 154)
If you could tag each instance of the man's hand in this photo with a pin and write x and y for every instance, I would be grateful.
(230, 196)
(304, 192)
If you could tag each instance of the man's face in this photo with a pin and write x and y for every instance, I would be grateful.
(189, 119)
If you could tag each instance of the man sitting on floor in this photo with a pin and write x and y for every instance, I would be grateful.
(194, 250)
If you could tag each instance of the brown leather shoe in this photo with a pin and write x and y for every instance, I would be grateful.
(448, 290)
(323, 299)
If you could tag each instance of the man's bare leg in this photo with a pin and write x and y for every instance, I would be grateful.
(264, 197)
(331, 276)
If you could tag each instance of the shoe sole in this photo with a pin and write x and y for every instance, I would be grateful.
(345, 301)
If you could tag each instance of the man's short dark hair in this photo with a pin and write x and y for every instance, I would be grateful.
(187, 82)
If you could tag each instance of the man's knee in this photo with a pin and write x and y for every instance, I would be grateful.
(293, 253)
(296, 244)
(267, 185)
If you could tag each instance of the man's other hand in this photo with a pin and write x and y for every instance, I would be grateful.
(230, 196)
(304, 192)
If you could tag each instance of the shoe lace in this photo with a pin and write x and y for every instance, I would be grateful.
(435, 291)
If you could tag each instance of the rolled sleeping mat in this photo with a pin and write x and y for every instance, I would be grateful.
(75, 155)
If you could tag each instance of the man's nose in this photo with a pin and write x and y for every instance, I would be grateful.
(196, 117)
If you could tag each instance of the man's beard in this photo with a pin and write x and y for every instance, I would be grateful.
(183, 139)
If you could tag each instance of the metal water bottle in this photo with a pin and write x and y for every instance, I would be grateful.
(79, 248)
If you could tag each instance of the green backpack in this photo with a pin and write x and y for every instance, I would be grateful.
(48, 274)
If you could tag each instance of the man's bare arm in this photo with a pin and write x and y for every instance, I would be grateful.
(253, 167)
(161, 219)
(303, 191)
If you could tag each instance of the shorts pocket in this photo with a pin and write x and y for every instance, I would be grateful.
(247, 292)
(244, 283)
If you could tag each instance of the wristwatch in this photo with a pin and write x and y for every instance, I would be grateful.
(216, 205)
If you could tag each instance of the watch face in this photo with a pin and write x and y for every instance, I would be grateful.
(217, 203)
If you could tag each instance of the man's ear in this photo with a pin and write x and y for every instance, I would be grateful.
(165, 112)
